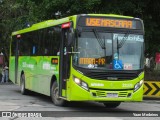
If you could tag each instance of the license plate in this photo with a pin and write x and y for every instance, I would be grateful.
(112, 95)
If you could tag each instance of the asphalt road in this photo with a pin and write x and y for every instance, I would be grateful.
(22, 106)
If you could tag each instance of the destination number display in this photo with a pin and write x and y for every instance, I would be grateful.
(99, 61)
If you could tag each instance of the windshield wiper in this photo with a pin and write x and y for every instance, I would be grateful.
(102, 44)
(119, 45)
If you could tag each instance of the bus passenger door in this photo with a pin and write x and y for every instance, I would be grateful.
(64, 61)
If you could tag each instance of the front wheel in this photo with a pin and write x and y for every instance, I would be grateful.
(55, 97)
(111, 104)
(24, 91)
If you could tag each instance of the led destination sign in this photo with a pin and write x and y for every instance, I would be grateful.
(110, 22)
(99, 61)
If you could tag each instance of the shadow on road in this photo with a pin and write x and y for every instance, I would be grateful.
(76, 105)
(71, 106)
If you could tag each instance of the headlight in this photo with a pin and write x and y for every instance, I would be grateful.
(138, 85)
(77, 80)
(81, 83)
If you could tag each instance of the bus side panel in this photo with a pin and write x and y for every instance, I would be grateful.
(38, 72)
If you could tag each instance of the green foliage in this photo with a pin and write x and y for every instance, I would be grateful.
(67, 7)
(15, 14)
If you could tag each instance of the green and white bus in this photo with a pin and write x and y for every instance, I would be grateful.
(86, 57)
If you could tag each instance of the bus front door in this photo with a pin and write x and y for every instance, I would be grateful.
(64, 62)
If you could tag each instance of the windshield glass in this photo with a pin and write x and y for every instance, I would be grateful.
(110, 51)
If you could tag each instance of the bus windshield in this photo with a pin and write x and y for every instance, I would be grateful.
(109, 49)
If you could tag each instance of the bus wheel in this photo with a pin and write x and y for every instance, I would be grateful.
(111, 104)
(23, 89)
(54, 95)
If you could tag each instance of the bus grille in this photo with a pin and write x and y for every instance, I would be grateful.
(109, 75)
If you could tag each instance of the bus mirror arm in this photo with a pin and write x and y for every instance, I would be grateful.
(72, 52)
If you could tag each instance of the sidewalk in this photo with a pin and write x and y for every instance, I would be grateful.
(8, 83)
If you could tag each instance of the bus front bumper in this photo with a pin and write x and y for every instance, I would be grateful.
(77, 93)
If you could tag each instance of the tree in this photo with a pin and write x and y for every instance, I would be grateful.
(49, 8)
(15, 15)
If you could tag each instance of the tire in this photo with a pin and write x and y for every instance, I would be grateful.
(24, 91)
(54, 95)
(111, 104)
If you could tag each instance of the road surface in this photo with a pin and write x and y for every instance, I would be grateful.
(22, 106)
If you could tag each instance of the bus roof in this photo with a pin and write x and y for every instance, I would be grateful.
(42, 25)
(49, 23)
